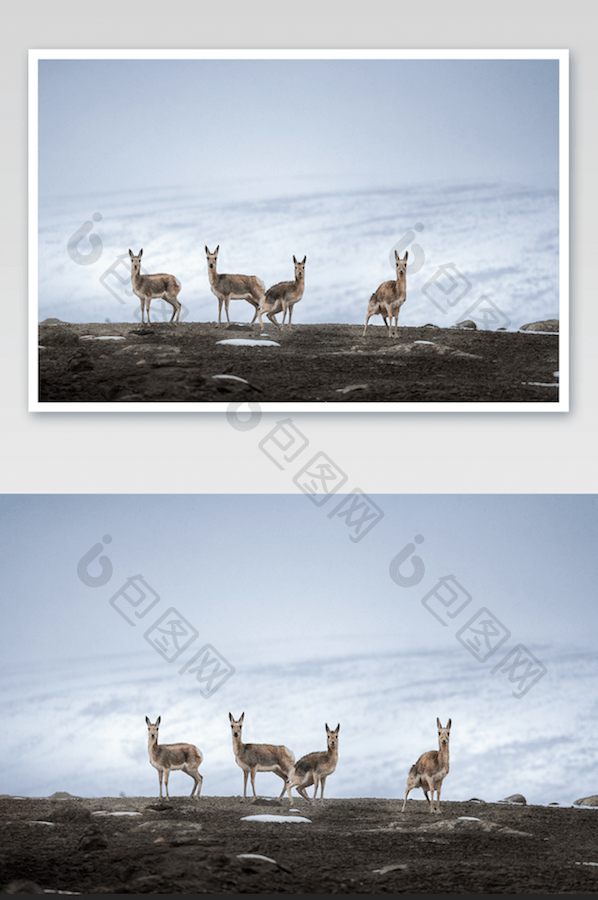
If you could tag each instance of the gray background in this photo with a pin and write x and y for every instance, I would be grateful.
(518, 452)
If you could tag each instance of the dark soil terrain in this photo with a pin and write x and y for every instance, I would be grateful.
(325, 363)
(349, 846)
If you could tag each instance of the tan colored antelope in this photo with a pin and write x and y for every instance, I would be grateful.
(254, 758)
(389, 297)
(148, 287)
(233, 287)
(283, 296)
(316, 767)
(166, 757)
(431, 769)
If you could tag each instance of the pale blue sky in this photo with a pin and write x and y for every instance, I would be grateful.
(109, 125)
(272, 573)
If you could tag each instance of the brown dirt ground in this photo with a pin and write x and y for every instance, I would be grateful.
(187, 846)
(326, 363)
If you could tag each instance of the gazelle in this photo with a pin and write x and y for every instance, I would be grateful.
(389, 297)
(166, 757)
(148, 287)
(254, 758)
(431, 769)
(316, 767)
(233, 287)
(283, 296)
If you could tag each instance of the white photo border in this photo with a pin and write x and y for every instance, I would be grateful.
(562, 56)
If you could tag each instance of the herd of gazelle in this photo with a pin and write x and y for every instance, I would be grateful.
(386, 301)
(313, 769)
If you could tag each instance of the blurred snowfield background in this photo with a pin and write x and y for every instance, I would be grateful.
(317, 632)
(502, 238)
(335, 159)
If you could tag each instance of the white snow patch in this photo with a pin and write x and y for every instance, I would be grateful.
(102, 337)
(266, 817)
(556, 374)
(40, 822)
(247, 342)
(541, 383)
(469, 818)
(104, 812)
(586, 864)
(256, 856)
(425, 342)
(231, 378)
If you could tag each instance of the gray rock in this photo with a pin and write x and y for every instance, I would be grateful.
(546, 325)
(515, 798)
(467, 324)
(587, 801)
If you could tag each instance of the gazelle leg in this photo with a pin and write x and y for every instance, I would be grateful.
(220, 299)
(160, 779)
(408, 789)
(253, 771)
(323, 782)
(316, 783)
(226, 302)
(255, 316)
(166, 776)
(245, 774)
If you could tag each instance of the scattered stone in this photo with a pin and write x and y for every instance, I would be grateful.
(476, 800)
(392, 868)
(80, 362)
(587, 801)
(22, 887)
(468, 323)
(353, 387)
(515, 798)
(70, 813)
(546, 325)
(429, 325)
(63, 795)
(554, 803)
(460, 824)
(52, 321)
(92, 839)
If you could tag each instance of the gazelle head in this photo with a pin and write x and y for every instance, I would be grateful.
(153, 729)
(135, 262)
(332, 736)
(299, 268)
(212, 257)
(443, 733)
(401, 264)
(236, 726)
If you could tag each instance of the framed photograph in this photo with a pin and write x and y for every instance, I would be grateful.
(310, 230)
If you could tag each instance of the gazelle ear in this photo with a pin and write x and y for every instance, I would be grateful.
(242, 717)
(217, 249)
(448, 727)
(338, 727)
(294, 260)
(147, 720)
(406, 255)
(141, 253)
(207, 251)
(397, 257)
(131, 255)
(438, 723)
(158, 720)
(304, 260)
(328, 731)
